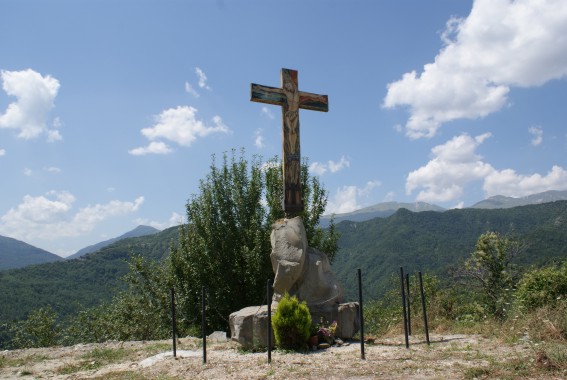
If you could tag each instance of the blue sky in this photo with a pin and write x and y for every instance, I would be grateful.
(110, 110)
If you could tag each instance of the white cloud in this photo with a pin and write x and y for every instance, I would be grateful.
(35, 96)
(455, 164)
(346, 198)
(259, 139)
(89, 216)
(389, 197)
(336, 166)
(53, 169)
(174, 220)
(179, 125)
(53, 134)
(268, 113)
(154, 147)
(190, 90)
(508, 182)
(202, 78)
(459, 205)
(28, 172)
(501, 44)
(269, 165)
(2, 152)
(50, 216)
(318, 168)
(332, 166)
(537, 132)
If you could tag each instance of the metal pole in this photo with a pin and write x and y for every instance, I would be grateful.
(424, 309)
(174, 343)
(408, 303)
(361, 315)
(269, 298)
(404, 306)
(203, 324)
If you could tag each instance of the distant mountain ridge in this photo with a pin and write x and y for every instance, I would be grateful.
(380, 210)
(500, 201)
(17, 254)
(385, 209)
(10, 256)
(136, 232)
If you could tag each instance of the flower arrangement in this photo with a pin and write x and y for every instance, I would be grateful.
(327, 333)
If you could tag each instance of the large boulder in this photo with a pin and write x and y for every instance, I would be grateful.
(303, 272)
(289, 252)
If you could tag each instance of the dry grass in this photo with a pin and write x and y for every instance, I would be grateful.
(448, 357)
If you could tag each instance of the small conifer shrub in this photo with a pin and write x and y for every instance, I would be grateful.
(291, 323)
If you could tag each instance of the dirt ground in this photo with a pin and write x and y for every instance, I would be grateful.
(448, 357)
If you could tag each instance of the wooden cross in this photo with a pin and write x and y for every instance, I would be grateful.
(291, 100)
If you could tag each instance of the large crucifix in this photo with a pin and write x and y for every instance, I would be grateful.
(291, 100)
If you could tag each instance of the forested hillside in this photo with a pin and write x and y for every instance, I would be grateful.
(428, 241)
(69, 285)
(434, 242)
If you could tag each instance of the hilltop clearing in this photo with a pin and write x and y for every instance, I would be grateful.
(448, 357)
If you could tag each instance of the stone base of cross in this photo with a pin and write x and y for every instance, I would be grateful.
(291, 100)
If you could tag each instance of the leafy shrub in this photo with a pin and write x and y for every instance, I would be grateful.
(291, 323)
(540, 287)
(39, 330)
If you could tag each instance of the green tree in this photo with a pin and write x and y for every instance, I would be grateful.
(543, 286)
(40, 329)
(224, 247)
(490, 268)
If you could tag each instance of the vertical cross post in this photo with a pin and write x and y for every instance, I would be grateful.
(404, 306)
(173, 332)
(361, 315)
(291, 100)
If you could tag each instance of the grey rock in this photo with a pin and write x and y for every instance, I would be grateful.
(249, 327)
(217, 336)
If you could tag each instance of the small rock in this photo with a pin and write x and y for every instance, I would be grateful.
(339, 342)
(322, 346)
(218, 336)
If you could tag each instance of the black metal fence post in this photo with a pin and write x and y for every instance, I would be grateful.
(269, 300)
(408, 303)
(173, 338)
(404, 306)
(424, 308)
(203, 323)
(361, 315)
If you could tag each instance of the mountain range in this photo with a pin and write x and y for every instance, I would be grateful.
(18, 254)
(428, 241)
(385, 209)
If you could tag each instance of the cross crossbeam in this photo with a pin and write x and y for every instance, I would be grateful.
(291, 100)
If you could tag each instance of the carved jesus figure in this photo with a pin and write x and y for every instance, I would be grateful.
(291, 100)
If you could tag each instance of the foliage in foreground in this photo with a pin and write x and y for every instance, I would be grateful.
(535, 311)
(223, 248)
(291, 323)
